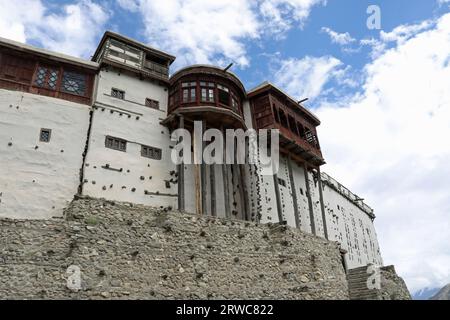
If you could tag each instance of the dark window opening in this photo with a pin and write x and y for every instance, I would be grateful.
(154, 104)
(282, 182)
(119, 94)
(275, 113)
(74, 83)
(116, 144)
(301, 130)
(151, 152)
(283, 119)
(292, 125)
(301, 191)
(45, 135)
(224, 95)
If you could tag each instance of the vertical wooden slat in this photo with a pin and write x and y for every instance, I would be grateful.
(322, 205)
(226, 189)
(181, 193)
(310, 205)
(278, 198)
(294, 193)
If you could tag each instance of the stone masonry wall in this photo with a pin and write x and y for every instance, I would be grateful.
(127, 251)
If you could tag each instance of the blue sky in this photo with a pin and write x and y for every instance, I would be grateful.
(382, 95)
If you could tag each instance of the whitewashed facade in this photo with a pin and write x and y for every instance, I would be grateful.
(113, 142)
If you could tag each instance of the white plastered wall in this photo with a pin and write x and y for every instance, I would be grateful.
(38, 179)
(132, 121)
(353, 228)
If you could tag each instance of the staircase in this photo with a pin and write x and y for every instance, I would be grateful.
(357, 285)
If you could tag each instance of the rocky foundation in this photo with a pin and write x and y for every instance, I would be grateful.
(108, 250)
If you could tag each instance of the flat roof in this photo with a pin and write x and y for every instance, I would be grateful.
(269, 85)
(140, 45)
(11, 44)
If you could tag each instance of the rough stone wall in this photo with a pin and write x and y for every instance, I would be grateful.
(393, 287)
(127, 251)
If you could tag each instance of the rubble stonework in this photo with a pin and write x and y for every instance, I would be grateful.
(128, 251)
(393, 287)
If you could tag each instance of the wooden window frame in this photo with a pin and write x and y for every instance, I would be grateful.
(110, 143)
(122, 92)
(145, 152)
(49, 131)
(153, 104)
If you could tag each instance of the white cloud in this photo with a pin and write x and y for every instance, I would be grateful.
(16, 15)
(280, 15)
(204, 31)
(339, 38)
(74, 30)
(391, 145)
(397, 36)
(305, 78)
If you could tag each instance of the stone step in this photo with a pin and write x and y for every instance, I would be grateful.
(363, 268)
(356, 273)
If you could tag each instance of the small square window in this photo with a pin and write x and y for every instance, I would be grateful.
(152, 103)
(119, 94)
(150, 152)
(116, 144)
(45, 135)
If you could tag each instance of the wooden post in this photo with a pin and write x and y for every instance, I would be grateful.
(322, 205)
(212, 175)
(204, 191)
(277, 197)
(308, 192)
(294, 193)
(242, 172)
(197, 178)
(226, 189)
(241, 191)
(181, 194)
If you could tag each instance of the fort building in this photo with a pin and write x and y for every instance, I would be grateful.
(102, 128)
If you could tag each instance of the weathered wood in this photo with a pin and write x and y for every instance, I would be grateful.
(204, 191)
(322, 205)
(278, 198)
(294, 193)
(212, 175)
(310, 205)
(225, 179)
(181, 192)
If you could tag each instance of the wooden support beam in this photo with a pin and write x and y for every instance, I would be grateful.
(294, 193)
(322, 206)
(212, 176)
(310, 205)
(225, 178)
(204, 191)
(180, 169)
(243, 191)
(197, 178)
(278, 198)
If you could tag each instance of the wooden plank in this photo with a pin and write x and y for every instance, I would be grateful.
(294, 193)
(278, 198)
(225, 178)
(310, 205)
(212, 175)
(181, 192)
(322, 206)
